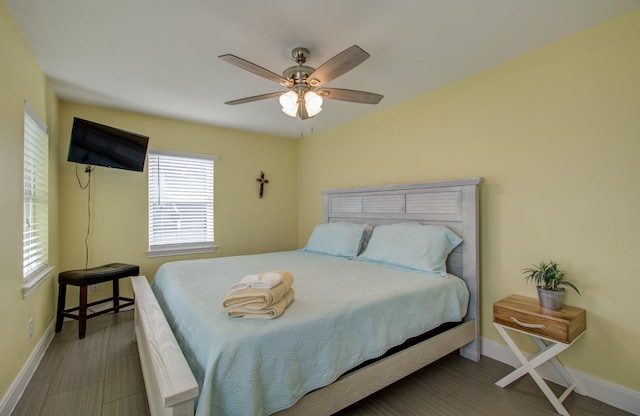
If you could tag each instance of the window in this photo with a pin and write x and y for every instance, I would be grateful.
(180, 203)
(35, 224)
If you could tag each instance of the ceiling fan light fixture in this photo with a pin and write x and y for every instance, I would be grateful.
(289, 103)
(290, 112)
(313, 103)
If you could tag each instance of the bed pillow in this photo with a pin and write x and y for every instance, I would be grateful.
(411, 246)
(342, 239)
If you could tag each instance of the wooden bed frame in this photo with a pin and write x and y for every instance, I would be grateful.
(170, 385)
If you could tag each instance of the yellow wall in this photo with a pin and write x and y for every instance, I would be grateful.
(21, 79)
(119, 228)
(556, 135)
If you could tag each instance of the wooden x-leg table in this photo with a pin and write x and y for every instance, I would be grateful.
(549, 349)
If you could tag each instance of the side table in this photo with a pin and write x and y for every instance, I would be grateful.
(553, 331)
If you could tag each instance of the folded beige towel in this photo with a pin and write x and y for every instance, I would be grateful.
(270, 312)
(259, 298)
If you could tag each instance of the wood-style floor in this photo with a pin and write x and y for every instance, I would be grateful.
(100, 376)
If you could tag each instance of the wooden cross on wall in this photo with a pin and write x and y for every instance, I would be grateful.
(262, 181)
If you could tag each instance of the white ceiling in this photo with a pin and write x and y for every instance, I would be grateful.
(160, 57)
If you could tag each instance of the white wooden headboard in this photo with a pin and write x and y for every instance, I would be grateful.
(451, 203)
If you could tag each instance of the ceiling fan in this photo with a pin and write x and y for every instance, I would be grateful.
(305, 84)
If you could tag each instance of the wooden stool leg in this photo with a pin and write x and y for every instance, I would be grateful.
(62, 294)
(82, 312)
(116, 296)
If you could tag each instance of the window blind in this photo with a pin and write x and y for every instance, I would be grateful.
(35, 229)
(180, 202)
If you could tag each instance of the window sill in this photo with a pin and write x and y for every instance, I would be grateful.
(30, 285)
(178, 251)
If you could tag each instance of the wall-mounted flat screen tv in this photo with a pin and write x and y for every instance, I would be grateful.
(99, 145)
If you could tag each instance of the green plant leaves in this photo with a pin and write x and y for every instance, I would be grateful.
(547, 275)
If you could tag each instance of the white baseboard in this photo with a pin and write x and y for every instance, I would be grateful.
(604, 391)
(10, 400)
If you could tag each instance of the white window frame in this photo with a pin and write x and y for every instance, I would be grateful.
(35, 214)
(174, 244)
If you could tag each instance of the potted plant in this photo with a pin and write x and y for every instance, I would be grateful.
(548, 278)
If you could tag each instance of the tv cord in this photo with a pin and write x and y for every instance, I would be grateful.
(87, 186)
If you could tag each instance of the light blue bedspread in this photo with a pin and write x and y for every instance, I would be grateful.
(344, 313)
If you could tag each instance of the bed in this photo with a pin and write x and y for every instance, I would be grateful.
(180, 370)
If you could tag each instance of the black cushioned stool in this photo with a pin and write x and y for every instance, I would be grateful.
(84, 278)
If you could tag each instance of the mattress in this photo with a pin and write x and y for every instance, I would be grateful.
(344, 313)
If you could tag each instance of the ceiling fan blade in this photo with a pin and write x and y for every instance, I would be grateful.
(342, 63)
(353, 96)
(258, 70)
(255, 98)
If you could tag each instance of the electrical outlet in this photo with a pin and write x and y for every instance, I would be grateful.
(95, 287)
(30, 328)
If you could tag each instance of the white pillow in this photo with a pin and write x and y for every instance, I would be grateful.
(411, 246)
(342, 239)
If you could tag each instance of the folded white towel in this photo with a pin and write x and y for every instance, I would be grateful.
(267, 280)
(257, 281)
(245, 283)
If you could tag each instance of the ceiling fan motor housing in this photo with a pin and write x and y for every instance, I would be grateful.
(298, 73)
